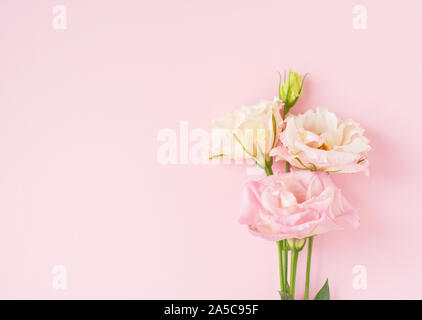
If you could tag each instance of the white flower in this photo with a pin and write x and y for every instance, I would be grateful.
(319, 140)
(248, 132)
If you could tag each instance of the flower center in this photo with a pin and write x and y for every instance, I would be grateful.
(324, 147)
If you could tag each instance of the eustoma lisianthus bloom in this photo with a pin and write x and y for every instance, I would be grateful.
(249, 132)
(291, 208)
(320, 141)
(298, 204)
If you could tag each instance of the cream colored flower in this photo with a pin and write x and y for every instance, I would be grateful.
(248, 132)
(319, 140)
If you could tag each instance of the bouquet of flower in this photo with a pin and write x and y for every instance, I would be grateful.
(292, 207)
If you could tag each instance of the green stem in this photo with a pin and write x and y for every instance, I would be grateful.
(295, 255)
(281, 265)
(285, 247)
(268, 170)
(308, 267)
(285, 262)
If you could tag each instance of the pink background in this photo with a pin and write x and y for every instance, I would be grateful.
(80, 110)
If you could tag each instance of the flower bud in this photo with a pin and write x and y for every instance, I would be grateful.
(296, 244)
(291, 90)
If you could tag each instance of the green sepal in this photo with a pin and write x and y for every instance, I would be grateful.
(285, 296)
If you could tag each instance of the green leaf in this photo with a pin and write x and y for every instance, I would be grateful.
(323, 293)
(285, 296)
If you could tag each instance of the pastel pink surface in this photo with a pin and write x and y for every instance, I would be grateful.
(80, 110)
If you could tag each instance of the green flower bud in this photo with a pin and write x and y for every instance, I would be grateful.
(291, 90)
(296, 244)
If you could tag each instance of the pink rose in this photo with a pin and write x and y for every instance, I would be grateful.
(319, 140)
(297, 205)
